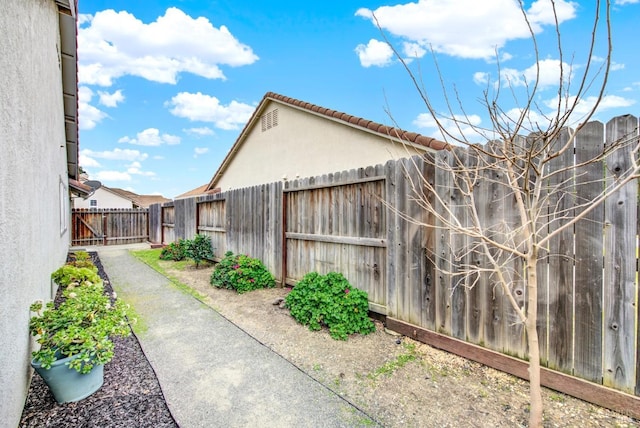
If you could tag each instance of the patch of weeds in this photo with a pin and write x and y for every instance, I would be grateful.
(400, 361)
(483, 393)
(150, 258)
(317, 367)
(558, 398)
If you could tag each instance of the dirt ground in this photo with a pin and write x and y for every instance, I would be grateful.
(397, 381)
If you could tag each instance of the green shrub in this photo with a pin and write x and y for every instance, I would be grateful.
(330, 300)
(69, 274)
(175, 251)
(199, 249)
(82, 259)
(241, 273)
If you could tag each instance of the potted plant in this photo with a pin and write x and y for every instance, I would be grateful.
(75, 338)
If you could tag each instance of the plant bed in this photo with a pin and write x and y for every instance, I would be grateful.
(130, 396)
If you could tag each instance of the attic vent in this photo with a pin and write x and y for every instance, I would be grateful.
(269, 120)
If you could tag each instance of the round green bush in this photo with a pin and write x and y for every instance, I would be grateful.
(241, 273)
(330, 300)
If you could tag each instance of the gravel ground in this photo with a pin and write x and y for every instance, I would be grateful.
(130, 397)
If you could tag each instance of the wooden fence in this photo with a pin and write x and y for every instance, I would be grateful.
(355, 222)
(108, 226)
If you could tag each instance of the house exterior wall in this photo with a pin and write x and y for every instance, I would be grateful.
(304, 144)
(34, 201)
(104, 199)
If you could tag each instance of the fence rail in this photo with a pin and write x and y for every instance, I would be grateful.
(358, 223)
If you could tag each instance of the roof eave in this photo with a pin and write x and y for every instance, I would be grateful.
(69, 57)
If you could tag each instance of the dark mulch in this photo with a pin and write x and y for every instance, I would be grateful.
(130, 396)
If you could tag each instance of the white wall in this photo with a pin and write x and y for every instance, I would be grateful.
(304, 144)
(104, 199)
(32, 174)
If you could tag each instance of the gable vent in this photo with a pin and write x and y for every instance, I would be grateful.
(269, 120)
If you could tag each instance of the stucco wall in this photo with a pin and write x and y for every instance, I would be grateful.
(32, 177)
(104, 199)
(305, 145)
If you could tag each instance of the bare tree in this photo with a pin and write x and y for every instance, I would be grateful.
(538, 176)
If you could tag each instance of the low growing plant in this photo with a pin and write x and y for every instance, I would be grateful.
(82, 324)
(199, 249)
(241, 273)
(331, 301)
(82, 259)
(71, 274)
(175, 251)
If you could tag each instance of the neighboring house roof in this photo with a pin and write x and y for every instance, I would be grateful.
(141, 201)
(390, 133)
(80, 189)
(200, 190)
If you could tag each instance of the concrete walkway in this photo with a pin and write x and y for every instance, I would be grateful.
(212, 373)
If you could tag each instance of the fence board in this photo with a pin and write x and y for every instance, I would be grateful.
(589, 257)
(620, 251)
(560, 287)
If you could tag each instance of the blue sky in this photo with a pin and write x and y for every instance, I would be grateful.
(166, 86)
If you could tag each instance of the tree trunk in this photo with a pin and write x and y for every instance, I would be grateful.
(535, 391)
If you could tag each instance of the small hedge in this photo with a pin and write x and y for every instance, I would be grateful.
(241, 273)
(330, 300)
(175, 251)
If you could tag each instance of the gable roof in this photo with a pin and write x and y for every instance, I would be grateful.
(142, 201)
(200, 190)
(391, 133)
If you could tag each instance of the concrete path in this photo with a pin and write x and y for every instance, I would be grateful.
(212, 373)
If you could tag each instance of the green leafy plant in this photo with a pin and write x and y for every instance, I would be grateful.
(175, 251)
(199, 249)
(241, 273)
(331, 301)
(81, 325)
(71, 274)
(82, 259)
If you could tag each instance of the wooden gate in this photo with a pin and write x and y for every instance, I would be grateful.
(339, 226)
(108, 226)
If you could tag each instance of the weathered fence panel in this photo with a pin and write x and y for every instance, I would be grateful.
(108, 226)
(168, 223)
(212, 222)
(337, 223)
(369, 225)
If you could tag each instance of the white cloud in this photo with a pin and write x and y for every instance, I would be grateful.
(113, 44)
(112, 176)
(375, 53)
(459, 126)
(111, 100)
(205, 108)
(623, 2)
(116, 154)
(151, 137)
(200, 151)
(481, 78)
(89, 116)
(199, 132)
(466, 28)
(87, 161)
(549, 74)
(134, 169)
(585, 105)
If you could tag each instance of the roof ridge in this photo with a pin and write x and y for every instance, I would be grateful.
(412, 137)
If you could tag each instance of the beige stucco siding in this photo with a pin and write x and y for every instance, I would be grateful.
(304, 144)
(33, 183)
